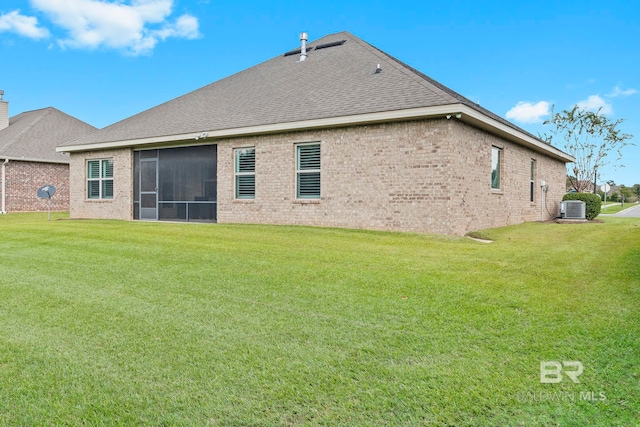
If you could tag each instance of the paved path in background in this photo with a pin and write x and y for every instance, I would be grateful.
(631, 212)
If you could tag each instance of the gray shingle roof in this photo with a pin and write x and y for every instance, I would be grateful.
(34, 135)
(332, 82)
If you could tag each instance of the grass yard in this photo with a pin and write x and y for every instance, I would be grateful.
(615, 207)
(133, 323)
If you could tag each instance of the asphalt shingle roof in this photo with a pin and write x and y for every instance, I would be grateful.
(34, 135)
(332, 82)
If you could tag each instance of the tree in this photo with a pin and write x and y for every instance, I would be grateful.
(628, 194)
(568, 184)
(615, 197)
(589, 137)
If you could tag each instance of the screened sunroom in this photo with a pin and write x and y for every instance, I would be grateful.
(175, 184)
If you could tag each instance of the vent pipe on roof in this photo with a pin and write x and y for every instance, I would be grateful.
(303, 50)
(4, 112)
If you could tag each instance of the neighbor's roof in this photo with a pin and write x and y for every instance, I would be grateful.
(34, 135)
(336, 85)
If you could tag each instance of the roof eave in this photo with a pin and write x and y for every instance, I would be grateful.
(466, 113)
(34, 160)
(476, 118)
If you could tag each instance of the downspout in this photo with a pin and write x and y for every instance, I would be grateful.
(4, 186)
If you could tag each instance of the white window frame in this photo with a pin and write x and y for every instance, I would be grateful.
(532, 181)
(238, 174)
(102, 178)
(498, 167)
(301, 171)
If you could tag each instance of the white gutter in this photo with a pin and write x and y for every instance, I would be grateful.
(4, 186)
(467, 114)
(478, 119)
(34, 160)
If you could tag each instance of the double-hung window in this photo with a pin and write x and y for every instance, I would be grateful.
(100, 179)
(496, 166)
(308, 171)
(245, 173)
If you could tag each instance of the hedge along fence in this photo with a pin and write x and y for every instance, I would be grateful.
(593, 203)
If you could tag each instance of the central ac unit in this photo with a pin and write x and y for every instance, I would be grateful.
(573, 209)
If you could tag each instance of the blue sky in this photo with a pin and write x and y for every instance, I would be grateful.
(103, 61)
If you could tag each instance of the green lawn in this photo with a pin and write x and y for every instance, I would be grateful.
(132, 323)
(613, 208)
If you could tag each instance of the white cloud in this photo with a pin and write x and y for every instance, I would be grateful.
(185, 26)
(135, 26)
(527, 112)
(618, 91)
(26, 26)
(595, 103)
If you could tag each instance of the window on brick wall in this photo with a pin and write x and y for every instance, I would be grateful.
(308, 171)
(532, 180)
(496, 168)
(245, 173)
(100, 179)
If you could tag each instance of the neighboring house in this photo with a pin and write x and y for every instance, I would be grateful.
(29, 159)
(336, 133)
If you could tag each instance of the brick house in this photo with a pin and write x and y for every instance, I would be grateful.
(335, 133)
(29, 160)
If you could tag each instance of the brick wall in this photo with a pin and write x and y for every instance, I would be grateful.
(121, 206)
(423, 176)
(474, 205)
(25, 178)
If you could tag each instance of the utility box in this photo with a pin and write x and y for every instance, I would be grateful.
(573, 209)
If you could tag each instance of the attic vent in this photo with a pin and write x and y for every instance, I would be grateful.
(318, 47)
(326, 45)
(297, 51)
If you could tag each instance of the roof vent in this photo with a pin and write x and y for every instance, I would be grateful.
(331, 44)
(4, 112)
(303, 50)
(295, 52)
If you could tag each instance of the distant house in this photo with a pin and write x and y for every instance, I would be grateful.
(334, 133)
(29, 160)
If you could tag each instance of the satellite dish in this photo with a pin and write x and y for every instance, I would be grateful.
(46, 192)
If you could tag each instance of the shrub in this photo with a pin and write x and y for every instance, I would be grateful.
(593, 203)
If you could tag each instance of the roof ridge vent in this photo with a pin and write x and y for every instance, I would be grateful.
(330, 44)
